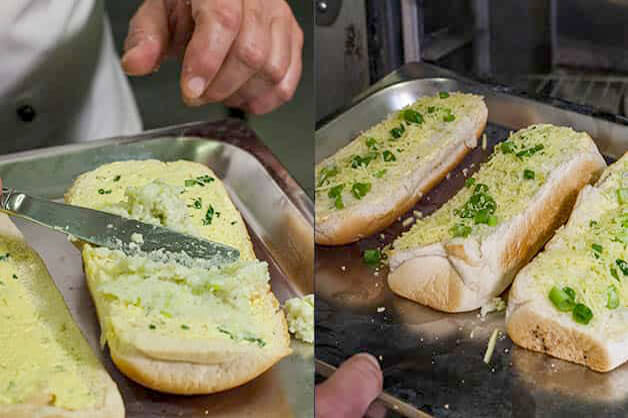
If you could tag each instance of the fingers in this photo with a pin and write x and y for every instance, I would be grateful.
(351, 389)
(147, 41)
(283, 91)
(217, 24)
(247, 55)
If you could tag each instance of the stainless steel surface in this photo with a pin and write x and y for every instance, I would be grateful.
(341, 57)
(433, 361)
(279, 221)
(115, 232)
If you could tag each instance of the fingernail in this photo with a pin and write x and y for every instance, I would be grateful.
(370, 358)
(196, 87)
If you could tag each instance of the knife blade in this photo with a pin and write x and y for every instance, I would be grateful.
(116, 232)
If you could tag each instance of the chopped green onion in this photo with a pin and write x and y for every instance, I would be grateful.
(460, 230)
(528, 174)
(597, 248)
(359, 190)
(389, 156)
(379, 174)
(412, 116)
(469, 182)
(614, 273)
(103, 191)
(183, 326)
(481, 217)
(593, 224)
(623, 266)
(371, 143)
(116, 178)
(326, 173)
(582, 314)
(14, 277)
(431, 109)
(449, 117)
(372, 257)
(622, 195)
(443, 95)
(530, 151)
(561, 299)
(336, 194)
(570, 292)
(507, 147)
(480, 188)
(398, 132)
(152, 326)
(492, 220)
(613, 297)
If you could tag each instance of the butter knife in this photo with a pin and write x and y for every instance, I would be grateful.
(116, 232)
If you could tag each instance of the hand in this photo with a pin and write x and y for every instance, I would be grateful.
(245, 53)
(351, 389)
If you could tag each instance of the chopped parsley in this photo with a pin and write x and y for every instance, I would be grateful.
(152, 326)
(199, 181)
(183, 326)
(359, 190)
(197, 203)
(443, 95)
(116, 178)
(209, 215)
(255, 340)
(103, 191)
(469, 182)
(431, 109)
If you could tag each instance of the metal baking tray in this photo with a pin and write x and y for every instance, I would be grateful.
(432, 361)
(279, 217)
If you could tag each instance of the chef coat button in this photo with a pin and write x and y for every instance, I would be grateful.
(26, 113)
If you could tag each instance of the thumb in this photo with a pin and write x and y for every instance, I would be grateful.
(351, 389)
(147, 41)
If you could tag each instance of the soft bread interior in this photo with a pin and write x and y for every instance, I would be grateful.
(47, 368)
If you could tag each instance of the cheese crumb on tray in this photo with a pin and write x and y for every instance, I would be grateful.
(300, 317)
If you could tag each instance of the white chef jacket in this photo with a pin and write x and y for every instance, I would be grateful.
(60, 77)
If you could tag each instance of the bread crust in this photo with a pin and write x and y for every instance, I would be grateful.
(471, 273)
(346, 226)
